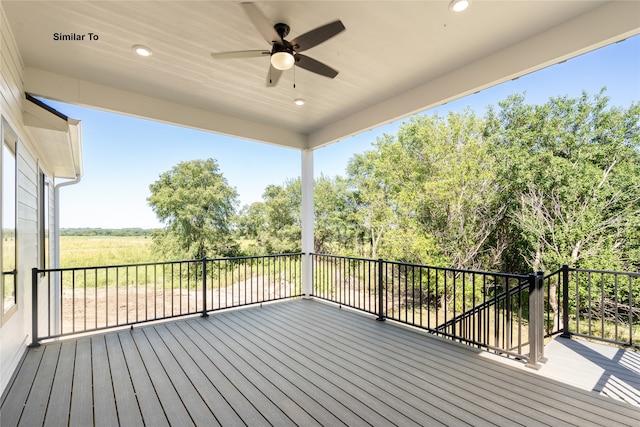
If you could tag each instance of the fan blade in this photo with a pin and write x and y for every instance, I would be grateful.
(314, 66)
(262, 24)
(240, 54)
(317, 36)
(273, 76)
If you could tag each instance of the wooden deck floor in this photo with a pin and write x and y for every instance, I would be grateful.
(298, 362)
(608, 370)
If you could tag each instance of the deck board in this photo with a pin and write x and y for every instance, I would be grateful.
(152, 411)
(244, 394)
(14, 401)
(222, 412)
(410, 381)
(459, 369)
(519, 385)
(189, 397)
(298, 362)
(81, 413)
(301, 408)
(60, 399)
(168, 398)
(224, 378)
(309, 381)
(36, 406)
(104, 400)
(125, 398)
(359, 379)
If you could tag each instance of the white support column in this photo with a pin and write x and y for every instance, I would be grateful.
(307, 220)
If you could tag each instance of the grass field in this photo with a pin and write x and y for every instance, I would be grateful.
(86, 251)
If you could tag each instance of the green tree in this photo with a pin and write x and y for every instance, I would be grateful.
(336, 227)
(282, 211)
(429, 195)
(571, 173)
(252, 226)
(453, 191)
(571, 170)
(368, 175)
(197, 206)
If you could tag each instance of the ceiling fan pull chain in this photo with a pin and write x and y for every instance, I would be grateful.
(294, 77)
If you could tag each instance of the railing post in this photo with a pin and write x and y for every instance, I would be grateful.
(204, 288)
(540, 286)
(381, 314)
(312, 274)
(536, 320)
(565, 302)
(34, 308)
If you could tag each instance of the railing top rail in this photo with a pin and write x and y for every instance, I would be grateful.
(619, 273)
(253, 257)
(479, 307)
(157, 263)
(345, 257)
(558, 271)
(450, 269)
(93, 267)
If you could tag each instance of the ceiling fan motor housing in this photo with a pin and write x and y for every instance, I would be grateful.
(282, 45)
(282, 30)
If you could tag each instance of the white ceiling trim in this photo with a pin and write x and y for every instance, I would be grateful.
(608, 24)
(70, 90)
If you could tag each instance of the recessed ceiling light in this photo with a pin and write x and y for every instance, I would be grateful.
(298, 101)
(142, 50)
(458, 5)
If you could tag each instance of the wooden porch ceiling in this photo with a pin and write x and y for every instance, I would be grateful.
(299, 362)
(395, 58)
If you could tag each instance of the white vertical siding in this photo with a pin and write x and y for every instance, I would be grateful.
(15, 331)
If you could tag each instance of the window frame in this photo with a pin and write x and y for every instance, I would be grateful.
(44, 226)
(11, 142)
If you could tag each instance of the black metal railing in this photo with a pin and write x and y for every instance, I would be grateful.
(74, 300)
(494, 311)
(351, 282)
(595, 304)
(505, 313)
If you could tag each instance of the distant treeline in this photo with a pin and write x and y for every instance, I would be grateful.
(116, 232)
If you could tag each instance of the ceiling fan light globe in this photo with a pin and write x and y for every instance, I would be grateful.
(459, 5)
(282, 60)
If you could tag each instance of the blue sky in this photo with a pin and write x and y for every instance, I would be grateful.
(123, 155)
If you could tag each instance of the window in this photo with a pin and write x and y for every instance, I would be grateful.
(9, 236)
(44, 221)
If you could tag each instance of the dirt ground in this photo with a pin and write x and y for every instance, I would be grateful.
(101, 307)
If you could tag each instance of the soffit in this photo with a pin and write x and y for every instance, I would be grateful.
(395, 58)
(57, 137)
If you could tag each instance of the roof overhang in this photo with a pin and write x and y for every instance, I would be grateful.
(436, 57)
(57, 137)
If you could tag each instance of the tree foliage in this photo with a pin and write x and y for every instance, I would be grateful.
(523, 188)
(337, 229)
(274, 223)
(197, 206)
(526, 187)
(571, 169)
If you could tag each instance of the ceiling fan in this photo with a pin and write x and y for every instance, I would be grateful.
(285, 54)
